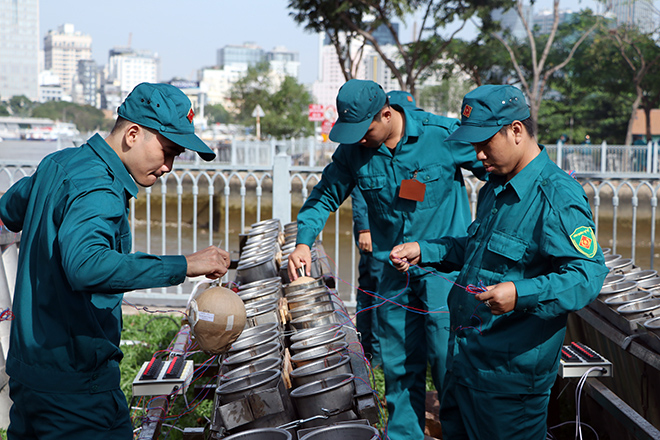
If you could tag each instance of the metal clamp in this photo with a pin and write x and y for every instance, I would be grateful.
(299, 422)
(628, 339)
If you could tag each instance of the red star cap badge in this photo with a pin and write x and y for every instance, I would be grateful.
(191, 115)
(467, 111)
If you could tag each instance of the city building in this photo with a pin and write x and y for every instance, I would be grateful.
(19, 49)
(246, 55)
(369, 66)
(216, 82)
(49, 86)
(128, 67)
(635, 13)
(283, 62)
(87, 80)
(511, 22)
(63, 48)
(544, 20)
(233, 62)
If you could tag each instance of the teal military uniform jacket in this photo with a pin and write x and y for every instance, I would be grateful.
(422, 155)
(74, 264)
(536, 231)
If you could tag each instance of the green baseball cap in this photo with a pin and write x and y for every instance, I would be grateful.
(487, 109)
(166, 109)
(404, 99)
(358, 101)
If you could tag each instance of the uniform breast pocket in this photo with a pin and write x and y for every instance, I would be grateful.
(372, 188)
(505, 250)
(436, 187)
(123, 242)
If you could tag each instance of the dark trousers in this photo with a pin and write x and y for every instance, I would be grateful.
(370, 271)
(60, 416)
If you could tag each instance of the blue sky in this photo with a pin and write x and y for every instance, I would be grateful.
(187, 34)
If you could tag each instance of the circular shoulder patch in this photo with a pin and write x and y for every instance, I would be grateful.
(584, 241)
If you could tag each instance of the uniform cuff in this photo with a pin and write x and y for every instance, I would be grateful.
(174, 268)
(305, 236)
(527, 296)
(431, 252)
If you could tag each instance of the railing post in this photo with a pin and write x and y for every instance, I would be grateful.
(273, 152)
(649, 156)
(233, 151)
(312, 151)
(603, 157)
(560, 147)
(282, 187)
(654, 170)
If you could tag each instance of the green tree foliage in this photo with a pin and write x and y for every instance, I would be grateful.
(641, 55)
(359, 19)
(20, 106)
(484, 60)
(537, 59)
(285, 107)
(3, 110)
(251, 90)
(287, 111)
(86, 117)
(216, 114)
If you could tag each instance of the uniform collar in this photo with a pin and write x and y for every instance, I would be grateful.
(411, 132)
(116, 166)
(523, 182)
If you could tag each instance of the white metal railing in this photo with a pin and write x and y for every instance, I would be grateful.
(204, 204)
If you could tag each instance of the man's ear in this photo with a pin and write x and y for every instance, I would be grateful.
(518, 130)
(387, 113)
(132, 134)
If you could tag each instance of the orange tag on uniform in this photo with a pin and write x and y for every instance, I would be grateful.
(412, 189)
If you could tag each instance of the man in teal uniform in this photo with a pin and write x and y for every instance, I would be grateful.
(75, 263)
(370, 269)
(532, 245)
(412, 182)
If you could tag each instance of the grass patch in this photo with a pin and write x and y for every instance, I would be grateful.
(142, 336)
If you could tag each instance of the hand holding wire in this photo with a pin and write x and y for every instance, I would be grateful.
(404, 255)
(500, 298)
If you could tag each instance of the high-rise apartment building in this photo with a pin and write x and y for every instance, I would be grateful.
(19, 48)
(544, 20)
(232, 64)
(63, 48)
(283, 62)
(247, 54)
(635, 13)
(370, 65)
(87, 81)
(129, 67)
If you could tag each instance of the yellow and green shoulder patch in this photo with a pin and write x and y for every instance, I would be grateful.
(584, 241)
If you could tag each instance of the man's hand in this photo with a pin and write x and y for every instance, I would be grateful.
(212, 262)
(403, 255)
(364, 241)
(500, 298)
(301, 256)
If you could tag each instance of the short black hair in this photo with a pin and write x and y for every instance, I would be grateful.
(120, 123)
(527, 123)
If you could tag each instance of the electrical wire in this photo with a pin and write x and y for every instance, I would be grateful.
(578, 400)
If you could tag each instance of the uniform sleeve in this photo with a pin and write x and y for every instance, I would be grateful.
(578, 265)
(335, 186)
(447, 250)
(13, 204)
(360, 215)
(95, 257)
